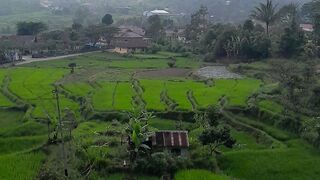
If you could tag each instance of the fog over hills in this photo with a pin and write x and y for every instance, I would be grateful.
(59, 13)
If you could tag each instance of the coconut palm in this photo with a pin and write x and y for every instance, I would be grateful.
(266, 13)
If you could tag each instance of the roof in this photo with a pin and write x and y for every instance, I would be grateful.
(159, 12)
(127, 33)
(134, 29)
(132, 43)
(307, 27)
(173, 139)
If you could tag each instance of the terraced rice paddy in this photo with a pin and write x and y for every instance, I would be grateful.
(109, 83)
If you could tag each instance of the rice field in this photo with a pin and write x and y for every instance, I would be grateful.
(21, 140)
(198, 174)
(21, 166)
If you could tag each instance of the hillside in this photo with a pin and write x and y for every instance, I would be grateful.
(59, 14)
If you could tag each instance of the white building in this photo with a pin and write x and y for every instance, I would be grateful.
(156, 12)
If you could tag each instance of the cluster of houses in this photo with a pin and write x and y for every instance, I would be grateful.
(128, 39)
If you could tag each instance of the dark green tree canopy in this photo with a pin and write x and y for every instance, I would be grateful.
(107, 19)
(216, 137)
(155, 28)
(30, 28)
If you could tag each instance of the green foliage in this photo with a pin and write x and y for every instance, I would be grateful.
(215, 137)
(292, 41)
(30, 28)
(160, 163)
(107, 19)
(155, 28)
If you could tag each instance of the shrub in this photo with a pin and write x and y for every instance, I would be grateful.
(160, 163)
(172, 64)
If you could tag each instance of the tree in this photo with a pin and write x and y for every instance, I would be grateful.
(214, 137)
(197, 27)
(2, 55)
(107, 19)
(309, 10)
(30, 28)
(289, 13)
(72, 66)
(248, 25)
(287, 74)
(292, 41)
(155, 28)
(76, 26)
(74, 36)
(266, 13)
(316, 32)
(95, 32)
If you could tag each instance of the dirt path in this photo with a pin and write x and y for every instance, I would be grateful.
(28, 59)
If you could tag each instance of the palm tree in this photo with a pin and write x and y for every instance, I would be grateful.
(266, 13)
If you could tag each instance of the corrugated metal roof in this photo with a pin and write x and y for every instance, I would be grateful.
(173, 139)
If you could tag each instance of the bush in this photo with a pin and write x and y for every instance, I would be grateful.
(172, 64)
(154, 49)
(161, 163)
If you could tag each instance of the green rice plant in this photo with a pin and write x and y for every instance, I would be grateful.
(103, 98)
(21, 166)
(123, 96)
(298, 162)
(166, 124)
(21, 144)
(5, 102)
(35, 86)
(237, 91)
(199, 175)
(177, 90)
(151, 95)
(272, 131)
(78, 89)
(271, 106)
(10, 119)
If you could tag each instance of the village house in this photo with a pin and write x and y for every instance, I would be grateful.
(126, 41)
(175, 142)
(306, 27)
(158, 12)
